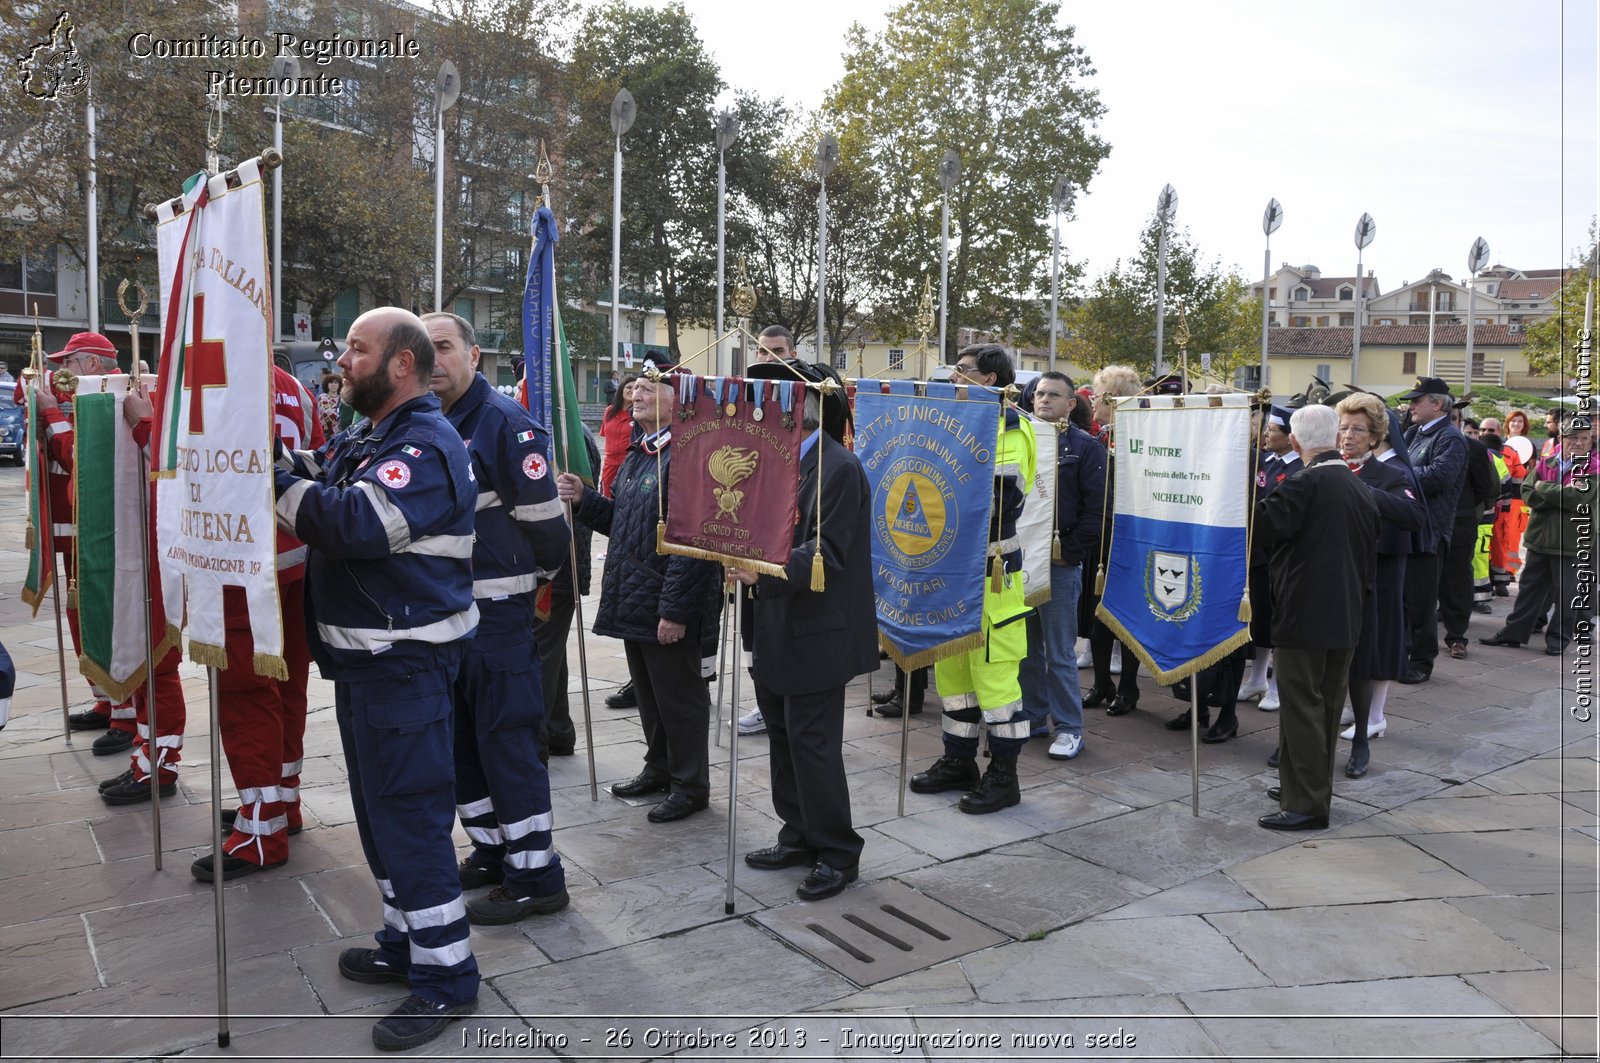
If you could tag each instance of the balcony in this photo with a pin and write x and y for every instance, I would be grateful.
(492, 339)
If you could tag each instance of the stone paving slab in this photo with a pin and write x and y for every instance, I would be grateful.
(1395, 1018)
(942, 986)
(1164, 845)
(622, 913)
(1215, 892)
(25, 850)
(1517, 861)
(1349, 871)
(1354, 943)
(1447, 814)
(1560, 1004)
(1169, 954)
(1556, 929)
(44, 959)
(934, 825)
(1137, 1027)
(1026, 889)
(1545, 776)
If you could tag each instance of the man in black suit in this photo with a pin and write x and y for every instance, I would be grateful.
(809, 644)
(1322, 528)
(1439, 455)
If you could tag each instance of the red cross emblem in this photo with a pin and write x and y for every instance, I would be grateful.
(534, 466)
(205, 365)
(394, 474)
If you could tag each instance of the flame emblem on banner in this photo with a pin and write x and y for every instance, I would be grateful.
(730, 466)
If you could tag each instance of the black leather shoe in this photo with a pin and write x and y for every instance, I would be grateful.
(564, 748)
(677, 806)
(228, 815)
(1272, 759)
(825, 881)
(88, 720)
(1098, 696)
(1219, 733)
(1180, 722)
(947, 773)
(416, 1022)
(1553, 649)
(624, 698)
(120, 780)
(1293, 821)
(1357, 766)
(112, 742)
(474, 876)
(232, 868)
(1418, 674)
(1274, 793)
(644, 783)
(1121, 705)
(367, 965)
(891, 709)
(779, 856)
(883, 697)
(1498, 639)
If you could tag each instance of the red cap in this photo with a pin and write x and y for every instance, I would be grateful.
(88, 342)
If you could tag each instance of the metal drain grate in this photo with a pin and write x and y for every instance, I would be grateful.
(873, 933)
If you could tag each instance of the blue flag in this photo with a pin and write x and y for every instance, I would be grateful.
(930, 463)
(1175, 578)
(550, 392)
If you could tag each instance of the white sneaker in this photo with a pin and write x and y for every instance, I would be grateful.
(1116, 659)
(5, 712)
(1066, 746)
(1249, 692)
(1374, 730)
(1269, 702)
(1348, 718)
(1085, 658)
(752, 723)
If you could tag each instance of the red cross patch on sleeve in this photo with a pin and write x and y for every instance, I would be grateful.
(534, 466)
(394, 474)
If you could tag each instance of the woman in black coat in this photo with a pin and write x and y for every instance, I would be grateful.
(1380, 657)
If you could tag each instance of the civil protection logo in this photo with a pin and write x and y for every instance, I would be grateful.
(52, 69)
(1172, 585)
(919, 517)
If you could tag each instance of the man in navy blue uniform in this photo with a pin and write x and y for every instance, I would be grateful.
(386, 508)
(1439, 455)
(659, 605)
(502, 788)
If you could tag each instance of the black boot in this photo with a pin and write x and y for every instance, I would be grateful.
(624, 698)
(948, 773)
(997, 789)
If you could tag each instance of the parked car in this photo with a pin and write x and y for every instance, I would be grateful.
(12, 429)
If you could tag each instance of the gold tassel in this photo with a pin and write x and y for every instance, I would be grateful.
(997, 569)
(1055, 550)
(1100, 581)
(32, 538)
(816, 571)
(1244, 607)
(72, 594)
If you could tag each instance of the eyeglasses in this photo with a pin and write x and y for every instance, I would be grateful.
(966, 367)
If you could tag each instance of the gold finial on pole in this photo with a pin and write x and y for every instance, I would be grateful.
(743, 302)
(924, 326)
(134, 313)
(1180, 336)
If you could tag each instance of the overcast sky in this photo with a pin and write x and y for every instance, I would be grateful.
(1444, 121)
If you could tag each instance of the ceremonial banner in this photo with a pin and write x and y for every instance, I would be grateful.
(549, 390)
(732, 496)
(41, 530)
(930, 461)
(213, 458)
(1175, 581)
(1036, 528)
(108, 473)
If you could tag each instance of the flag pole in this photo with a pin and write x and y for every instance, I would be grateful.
(722, 667)
(223, 1034)
(543, 173)
(733, 771)
(136, 380)
(949, 174)
(727, 133)
(827, 159)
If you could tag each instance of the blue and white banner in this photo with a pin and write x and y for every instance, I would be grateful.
(1178, 564)
(1036, 528)
(538, 318)
(930, 462)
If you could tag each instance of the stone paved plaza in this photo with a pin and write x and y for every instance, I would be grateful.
(1448, 914)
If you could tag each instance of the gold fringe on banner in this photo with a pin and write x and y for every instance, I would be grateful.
(270, 665)
(36, 598)
(923, 658)
(208, 655)
(164, 474)
(116, 692)
(765, 568)
(816, 569)
(1183, 671)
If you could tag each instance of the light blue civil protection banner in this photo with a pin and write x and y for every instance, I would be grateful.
(1175, 579)
(930, 462)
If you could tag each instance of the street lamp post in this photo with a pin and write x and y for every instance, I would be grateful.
(827, 159)
(1366, 229)
(1060, 203)
(949, 177)
(727, 133)
(285, 68)
(1270, 220)
(623, 113)
(1477, 259)
(446, 90)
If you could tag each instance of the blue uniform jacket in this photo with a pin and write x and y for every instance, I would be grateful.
(1081, 495)
(522, 536)
(387, 511)
(1439, 456)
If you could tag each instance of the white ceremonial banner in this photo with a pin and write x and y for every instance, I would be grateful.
(1036, 528)
(213, 460)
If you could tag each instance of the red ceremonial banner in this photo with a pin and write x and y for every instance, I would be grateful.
(731, 496)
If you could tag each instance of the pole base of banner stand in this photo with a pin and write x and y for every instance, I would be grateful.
(727, 907)
(223, 1040)
(1194, 744)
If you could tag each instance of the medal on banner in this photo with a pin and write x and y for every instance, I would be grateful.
(756, 412)
(688, 395)
(786, 401)
(730, 392)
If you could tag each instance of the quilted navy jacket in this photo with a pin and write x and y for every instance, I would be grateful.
(640, 587)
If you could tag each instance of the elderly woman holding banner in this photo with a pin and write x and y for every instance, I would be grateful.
(1380, 656)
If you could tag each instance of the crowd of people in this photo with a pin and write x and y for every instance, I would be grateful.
(424, 565)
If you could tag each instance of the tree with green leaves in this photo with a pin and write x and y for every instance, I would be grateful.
(1550, 345)
(1005, 83)
(1116, 322)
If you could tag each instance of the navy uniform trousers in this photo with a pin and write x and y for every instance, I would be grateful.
(396, 732)
(503, 793)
